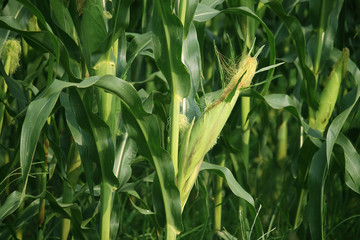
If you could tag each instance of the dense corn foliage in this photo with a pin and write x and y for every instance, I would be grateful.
(181, 119)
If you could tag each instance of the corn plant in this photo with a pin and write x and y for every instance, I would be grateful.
(115, 115)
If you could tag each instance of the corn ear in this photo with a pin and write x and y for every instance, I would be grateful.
(330, 93)
(201, 135)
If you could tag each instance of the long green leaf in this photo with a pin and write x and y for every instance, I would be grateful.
(136, 46)
(82, 134)
(15, 87)
(352, 163)
(192, 59)
(10, 205)
(316, 182)
(189, 7)
(125, 156)
(37, 113)
(168, 41)
(13, 201)
(233, 184)
(330, 33)
(204, 13)
(117, 24)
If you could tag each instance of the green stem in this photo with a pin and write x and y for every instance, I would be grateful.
(248, 28)
(105, 210)
(19, 231)
(170, 233)
(50, 75)
(318, 51)
(174, 131)
(182, 10)
(300, 209)
(73, 172)
(218, 198)
(106, 66)
(282, 141)
(245, 110)
(42, 189)
(319, 40)
(312, 119)
(67, 198)
(107, 111)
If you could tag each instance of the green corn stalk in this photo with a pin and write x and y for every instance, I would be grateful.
(106, 104)
(43, 183)
(248, 29)
(201, 135)
(330, 93)
(73, 173)
(218, 197)
(282, 140)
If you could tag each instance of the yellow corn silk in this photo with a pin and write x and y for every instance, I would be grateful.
(201, 135)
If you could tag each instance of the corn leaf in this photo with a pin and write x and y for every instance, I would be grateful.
(93, 29)
(119, 21)
(14, 200)
(63, 18)
(330, 33)
(296, 32)
(352, 163)
(316, 182)
(232, 183)
(316, 9)
(82, 134)
(204, 13)
(190, 6)
(212, 3)
(10, 205)
(125, 156)
(192, 59)
(15, 87)
(168, 41)
(138, 44)
(37, 113)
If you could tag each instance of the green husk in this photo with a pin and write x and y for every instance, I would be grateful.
(202, 135)
(330, 93)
